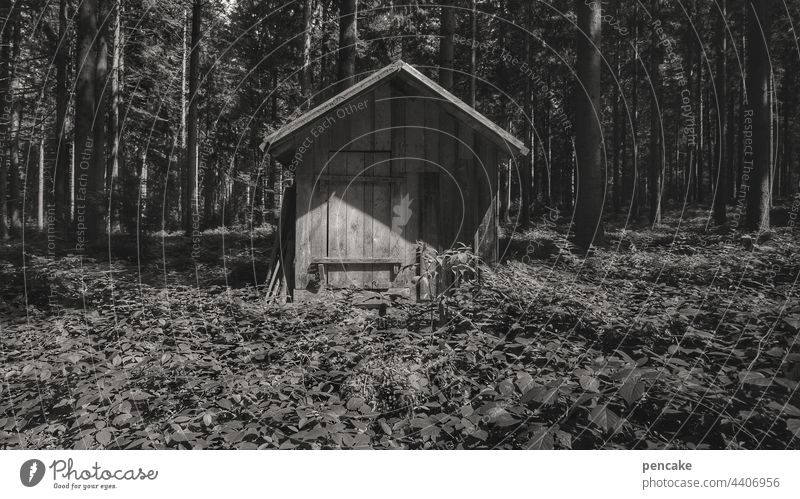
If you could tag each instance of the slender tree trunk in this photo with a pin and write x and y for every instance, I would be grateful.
(88, 192)
(348, 38)
(101, 114)
(116, 160)
(504, 214)
(758, 99)
(701, 137)
(306, 72)
(690, 170)
(569, 184)
(61, 169)
(272, 176)
(5, 112)
(447, 45)
(525, 173)
(589, 203)
(656, 142)
(473, 65)
(15, 194)
(183, 148)
(191, 206)
(40, 196)
(633, 190)
(556, 167)
(616, 98)
(732, 137)
(722, 190)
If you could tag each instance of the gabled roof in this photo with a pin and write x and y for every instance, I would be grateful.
(278, 142)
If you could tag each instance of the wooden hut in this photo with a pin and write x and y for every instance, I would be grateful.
(392, 166)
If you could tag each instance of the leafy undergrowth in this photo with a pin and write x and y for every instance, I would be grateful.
(653, 341)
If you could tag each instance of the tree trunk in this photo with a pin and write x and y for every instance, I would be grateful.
(61, 169)
(101, 113)
(348, 37)
(15, 194)
(88, 192)
(525, 173)
(632, 189)
(590, 189)
(616, 98)
(183, 150)
(191, 206)
(656, 142)
(721, 190)
(306, 73)
(701, 137)
(447, 44)
(504, 214)
(116, 160)
(40, 197)
(5, 112)
(473, 64)
(756, 174)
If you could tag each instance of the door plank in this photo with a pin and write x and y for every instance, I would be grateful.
(354, 198)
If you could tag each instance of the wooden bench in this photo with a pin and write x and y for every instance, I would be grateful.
(318, 265)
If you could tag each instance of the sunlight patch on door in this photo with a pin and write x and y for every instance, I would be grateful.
(401, 214)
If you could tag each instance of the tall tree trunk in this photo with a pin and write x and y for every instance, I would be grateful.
(306, 72)
(101, 114)
(656, 143)
(525, 173)
(191, 206)
(552, 171)
(721, 190)
(758, 100)
(88, 192)
(616, 98)
(589, 203)
(473, 62)
(273, 197)
(183, 150)
(5, 112)
(633, 190)
(116, 159)
(690, 171)
(701, 129)
(447, 44)
(732, 139)
(348, 37)
(15, 194)
(61, 176)
(445, 71)
(40, 196)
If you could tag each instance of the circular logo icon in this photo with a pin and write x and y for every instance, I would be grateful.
(31, 472)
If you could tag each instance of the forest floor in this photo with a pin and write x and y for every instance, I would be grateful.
(673, 337)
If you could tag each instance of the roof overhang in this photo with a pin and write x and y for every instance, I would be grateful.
(279, 143)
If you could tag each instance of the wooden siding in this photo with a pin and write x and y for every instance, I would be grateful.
(400, 170)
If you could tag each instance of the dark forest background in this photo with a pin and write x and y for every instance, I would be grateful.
(143, 105)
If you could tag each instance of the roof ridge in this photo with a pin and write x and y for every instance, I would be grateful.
(398, 66)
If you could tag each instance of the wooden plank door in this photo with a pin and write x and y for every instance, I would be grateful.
(358, 186)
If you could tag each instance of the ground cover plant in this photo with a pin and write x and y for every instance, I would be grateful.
(667, 337)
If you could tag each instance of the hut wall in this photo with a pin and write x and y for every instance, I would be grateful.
(382, 172)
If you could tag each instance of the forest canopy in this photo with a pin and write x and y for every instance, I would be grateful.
(154, 111)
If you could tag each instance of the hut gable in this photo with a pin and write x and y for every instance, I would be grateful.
(279, 142)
